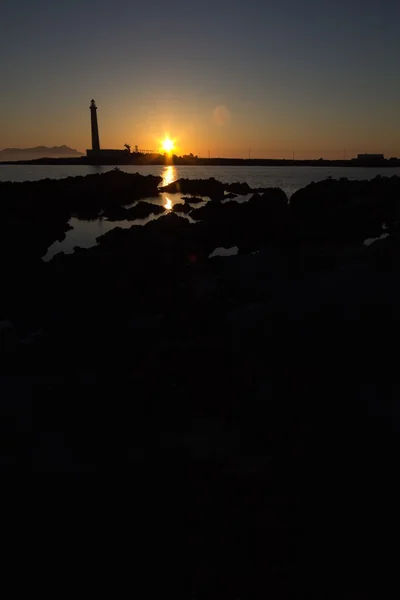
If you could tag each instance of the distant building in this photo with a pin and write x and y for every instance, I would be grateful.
(96, 154)
(370, 157)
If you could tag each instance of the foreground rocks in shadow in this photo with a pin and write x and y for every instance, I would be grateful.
(266, 381)
(272, 199)
(218, 212)
(36, 213)
(346, 210)
(183, 208)
(238, 188)
(202, 187)
(140, 211)
(192, 199)
(212, 188)
(246, 224)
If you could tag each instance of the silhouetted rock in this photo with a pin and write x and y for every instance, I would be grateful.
(269, 208)
(283, 340)
(216, 211)
(192, 199)
(140, 211)
(221, 223)
(36, 213)
(203, 187)
(238, 188)
(184, 208)
(114, 236)
(275, 197)
(115, 213)
(247, 224)
(230, 195)
(346, 210)
(168, 225)
(211, 188)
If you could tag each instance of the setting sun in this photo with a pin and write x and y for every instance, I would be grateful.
(168, 145)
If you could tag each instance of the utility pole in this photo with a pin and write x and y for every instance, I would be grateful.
(209, 155)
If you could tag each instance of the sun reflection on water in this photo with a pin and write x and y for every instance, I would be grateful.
(169, 174)
(168, 204)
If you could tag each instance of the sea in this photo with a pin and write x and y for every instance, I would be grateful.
(84, 233)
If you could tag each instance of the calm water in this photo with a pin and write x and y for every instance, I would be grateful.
(289, 179)
(84, 233)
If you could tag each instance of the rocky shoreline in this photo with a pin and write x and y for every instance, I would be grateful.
(255, 373)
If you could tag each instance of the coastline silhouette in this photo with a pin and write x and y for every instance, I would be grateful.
(98, 156)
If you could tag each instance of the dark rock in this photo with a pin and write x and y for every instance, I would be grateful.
(192, 199)
(115, 236)
(184, 208)
(271, 203)
(144, 209)
(246, 224)
(207, 187)
(281, 341)
(203, 187)
(115, 213)
(238, 188)
(221, 224)
(346, 210)
(169, 225)
(216, 212)
(139, 211)
(35, 214)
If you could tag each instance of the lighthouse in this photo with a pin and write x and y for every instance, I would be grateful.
(96, 156)
(95, 127)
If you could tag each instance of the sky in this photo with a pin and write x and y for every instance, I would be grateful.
(229, 78)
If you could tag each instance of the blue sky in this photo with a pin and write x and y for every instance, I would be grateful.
(311, 76)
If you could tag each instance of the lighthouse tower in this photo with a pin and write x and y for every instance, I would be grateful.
(95, 156)
(95, 127)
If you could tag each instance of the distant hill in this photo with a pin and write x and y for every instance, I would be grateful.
(38, 152)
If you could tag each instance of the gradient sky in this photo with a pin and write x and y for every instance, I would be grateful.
(316, 76)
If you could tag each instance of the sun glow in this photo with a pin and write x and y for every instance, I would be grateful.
(168, 204)
(168, 145)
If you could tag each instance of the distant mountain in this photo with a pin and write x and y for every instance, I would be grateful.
(38, 152)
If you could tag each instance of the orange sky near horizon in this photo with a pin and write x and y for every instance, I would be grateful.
(221, 130)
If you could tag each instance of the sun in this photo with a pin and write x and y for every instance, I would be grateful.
(168, 145)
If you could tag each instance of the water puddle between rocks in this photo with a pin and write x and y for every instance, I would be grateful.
(85, 232)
